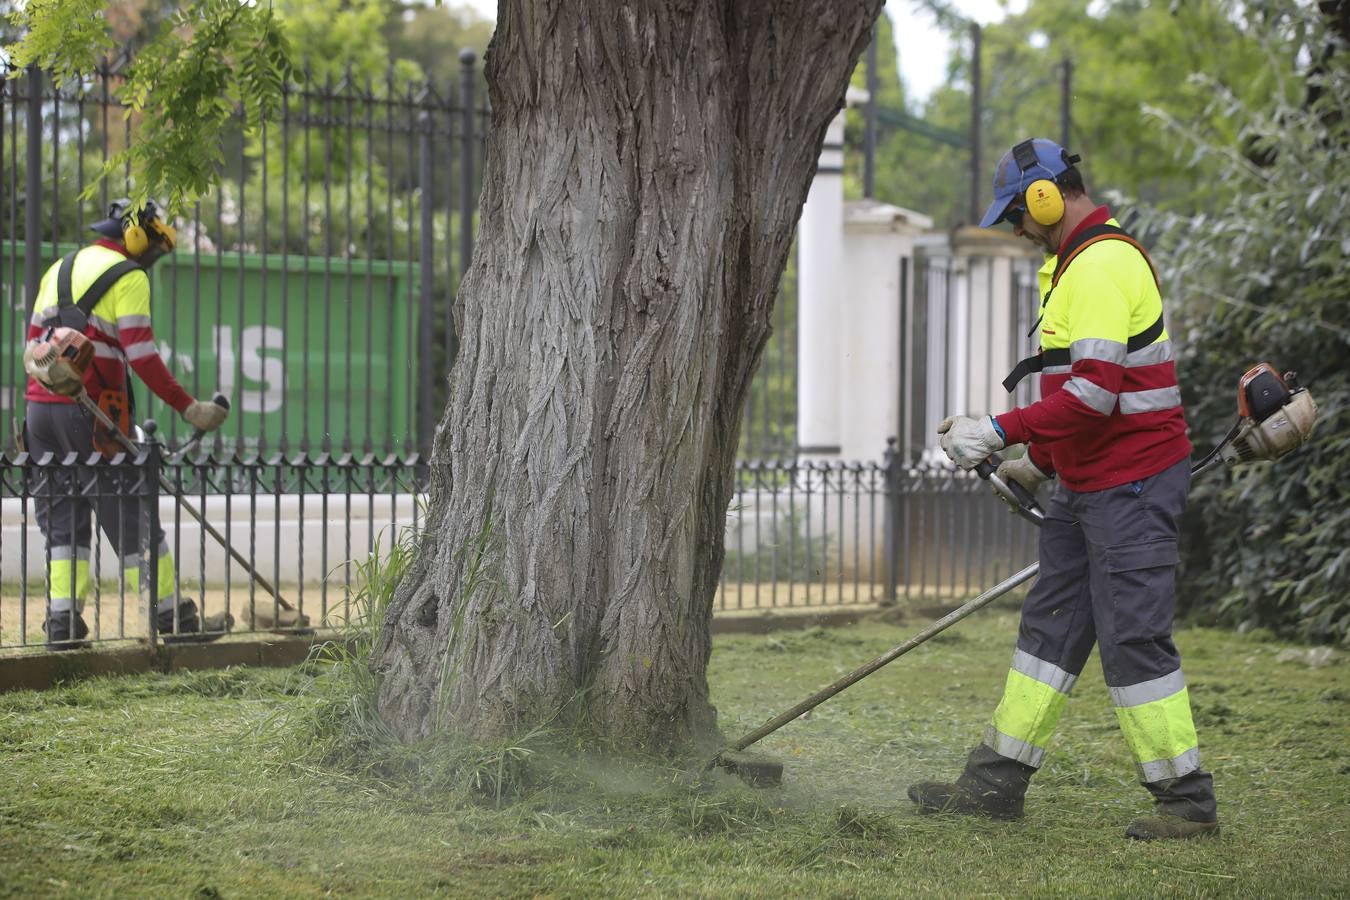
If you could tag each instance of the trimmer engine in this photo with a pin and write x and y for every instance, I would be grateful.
(58, 360)
(1276, 415)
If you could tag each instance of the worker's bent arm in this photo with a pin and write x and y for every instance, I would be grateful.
(138, 343)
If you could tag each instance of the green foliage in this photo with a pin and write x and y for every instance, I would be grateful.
(188, 90)
(1263, 277)
(1126, 54)
(66, 38)
(341, 724)
(430, 36)
(182, 89)
(343, 38)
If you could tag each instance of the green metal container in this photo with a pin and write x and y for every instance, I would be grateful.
(315, 353)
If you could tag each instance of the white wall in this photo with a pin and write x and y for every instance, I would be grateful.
(295, 539)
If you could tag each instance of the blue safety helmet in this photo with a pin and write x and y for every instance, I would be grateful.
(1028, 162)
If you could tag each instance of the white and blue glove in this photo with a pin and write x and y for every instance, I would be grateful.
(968, 441)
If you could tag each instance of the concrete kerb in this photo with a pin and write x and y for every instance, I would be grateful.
(40, 671)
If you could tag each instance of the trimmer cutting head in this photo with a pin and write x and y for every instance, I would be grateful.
(755, 769)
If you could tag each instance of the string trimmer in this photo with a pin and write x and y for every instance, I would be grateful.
(1275, 416)
(58, 361)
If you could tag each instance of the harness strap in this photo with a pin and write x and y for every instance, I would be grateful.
(1060, 356)
(89, 299)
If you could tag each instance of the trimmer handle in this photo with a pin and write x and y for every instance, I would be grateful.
(988, 470)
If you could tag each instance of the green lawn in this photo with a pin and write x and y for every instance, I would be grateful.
(196, 785)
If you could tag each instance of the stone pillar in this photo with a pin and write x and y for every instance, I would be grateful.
(878, 282)
(820, 268)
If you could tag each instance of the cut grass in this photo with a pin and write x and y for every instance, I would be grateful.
(204, 784)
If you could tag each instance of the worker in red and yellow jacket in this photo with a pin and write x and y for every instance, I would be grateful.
(103, 290)
(1110, 426)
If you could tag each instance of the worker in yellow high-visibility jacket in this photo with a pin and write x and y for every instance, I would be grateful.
(1110, 425)
(103, 291)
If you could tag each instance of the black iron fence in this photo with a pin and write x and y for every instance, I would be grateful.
(289, 532)
(809, 535)
(812, 534)
(313, 285)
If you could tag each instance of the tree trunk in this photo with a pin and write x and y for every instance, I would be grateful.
(646, 164)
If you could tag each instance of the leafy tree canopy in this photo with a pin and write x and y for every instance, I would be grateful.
(197, 63)
(1126, 54)
(1262, 276)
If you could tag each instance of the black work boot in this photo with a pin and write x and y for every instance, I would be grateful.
(1165, 826)
(66, 630)
(940, 796)
(191, 628)
(991, 785)
(1183, 808)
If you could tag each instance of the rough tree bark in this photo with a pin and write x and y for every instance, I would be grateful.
(646, 164)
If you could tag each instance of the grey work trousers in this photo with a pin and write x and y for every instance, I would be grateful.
(66, 496)
(1108, 561)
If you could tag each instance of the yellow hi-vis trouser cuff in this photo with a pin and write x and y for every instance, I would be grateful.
(68, 578)
(1033, 700)
(166, 573)
(1155, 717)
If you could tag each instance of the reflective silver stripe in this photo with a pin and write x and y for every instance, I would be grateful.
(1095, 396)
(141, 350)
(1012, 748)
(70, 553)
(131, 561)
(1163, 769)
(1148, 691)
(105, 351)
(1152, 355)
(1099, 349)
(1150, 401)
(64, 604)
(133, 321)
(103, 326)
(1056, 370)
(1046, 673)
(40, 316)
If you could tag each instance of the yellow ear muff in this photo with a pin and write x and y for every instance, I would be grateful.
(1045, 204)
(133, 235)
(167, 234)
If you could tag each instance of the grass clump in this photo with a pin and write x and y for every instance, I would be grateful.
(333, 720)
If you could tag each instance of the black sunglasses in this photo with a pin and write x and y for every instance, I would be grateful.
(1014, 215)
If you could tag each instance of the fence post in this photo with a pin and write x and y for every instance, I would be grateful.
(426, 320)
(149, 464)
(32, 200)
(891, 461)
(1065, 98)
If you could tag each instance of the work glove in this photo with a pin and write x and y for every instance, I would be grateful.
(968, 441)
(1023, 471)
(204, 415)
